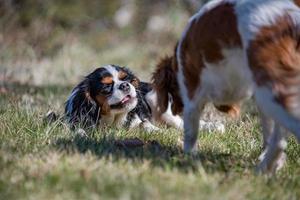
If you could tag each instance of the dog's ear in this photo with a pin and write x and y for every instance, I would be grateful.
(165, 83)
(100, 100)
(103, 104)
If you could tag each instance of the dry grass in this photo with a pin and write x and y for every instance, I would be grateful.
(47, 161)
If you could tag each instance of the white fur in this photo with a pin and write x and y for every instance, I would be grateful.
(149, 127)
(209, 6)
(118, 117)
(230, 80)
(176, 121)
(265, 100)
(135, 122)
(180, 77)
(192, 108)
(254, 14)
(222, 83)
(167, 117)
(118, 95)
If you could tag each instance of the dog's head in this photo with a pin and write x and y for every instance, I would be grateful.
(106, 91)
(165, 84)
(113, 88)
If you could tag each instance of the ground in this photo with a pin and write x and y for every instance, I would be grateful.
(45, 51)
(47, 161)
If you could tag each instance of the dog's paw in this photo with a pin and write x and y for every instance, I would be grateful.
(190, 148)
(149, 127)
(81, 132)
(212, 126)
(266, 166)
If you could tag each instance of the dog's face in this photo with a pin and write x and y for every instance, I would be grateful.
(113, 88)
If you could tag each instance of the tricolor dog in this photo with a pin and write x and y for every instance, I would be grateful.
(229, 51)
(110, 95)
(113, 95)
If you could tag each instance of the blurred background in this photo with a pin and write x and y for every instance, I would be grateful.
(57, 42)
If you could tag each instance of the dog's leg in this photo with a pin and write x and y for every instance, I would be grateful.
(267, 124)
(191, 115)
(274, 156)
(176, 121)
(267, 104)
(134, 122)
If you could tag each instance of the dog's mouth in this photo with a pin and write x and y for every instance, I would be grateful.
(126, 100)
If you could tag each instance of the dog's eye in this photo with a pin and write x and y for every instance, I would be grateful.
(107, 89)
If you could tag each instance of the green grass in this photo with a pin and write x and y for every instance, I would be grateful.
(42, 49)
(47, 161)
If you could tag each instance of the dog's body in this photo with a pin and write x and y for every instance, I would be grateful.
(230, 50)
(110, 95)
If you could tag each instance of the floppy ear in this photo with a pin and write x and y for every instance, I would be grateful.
(165, 84)
(80, 107)
(103, 104)
(100, 100)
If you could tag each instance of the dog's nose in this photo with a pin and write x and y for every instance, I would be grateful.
(125, 87)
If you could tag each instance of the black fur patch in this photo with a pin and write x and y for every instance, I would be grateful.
(82, 108)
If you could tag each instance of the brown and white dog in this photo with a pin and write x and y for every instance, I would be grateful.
(231, 50)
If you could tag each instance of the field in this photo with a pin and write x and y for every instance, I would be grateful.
(47, 161)
(40, 160)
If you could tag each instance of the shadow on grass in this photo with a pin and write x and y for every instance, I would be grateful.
(164, 156)
(167, 157)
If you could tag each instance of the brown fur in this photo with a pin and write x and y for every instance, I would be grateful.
(103, 104)
(165, 83)
(297, 2)
(274, 58)
(215, 33)
(122, 75)
(232, 110)
(135, 82)
(204, 40)
(107, 80)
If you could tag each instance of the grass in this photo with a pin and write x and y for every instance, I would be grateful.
(47, 161)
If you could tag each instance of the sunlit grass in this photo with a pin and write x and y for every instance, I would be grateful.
(48, 161)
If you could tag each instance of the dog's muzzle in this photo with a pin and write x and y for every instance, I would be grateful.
(125, 87)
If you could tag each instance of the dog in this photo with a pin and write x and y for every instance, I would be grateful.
(110, 95)
(113, 95)
(230, 51)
